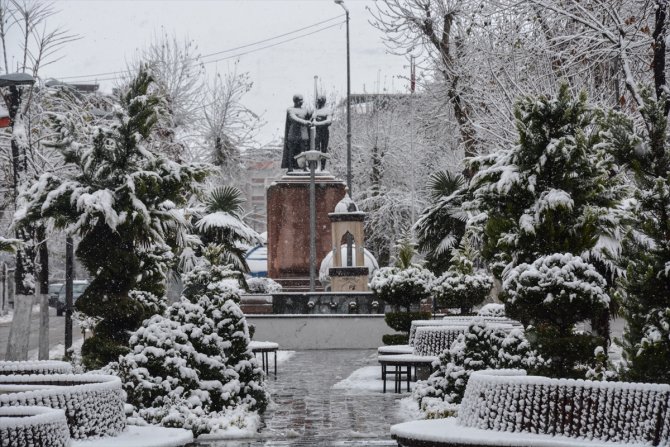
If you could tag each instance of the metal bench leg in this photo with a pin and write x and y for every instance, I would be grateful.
(384, 377)
(409, 373)
(275, 365)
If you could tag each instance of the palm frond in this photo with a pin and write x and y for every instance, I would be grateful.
(227, 199)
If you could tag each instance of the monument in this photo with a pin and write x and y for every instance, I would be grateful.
(288, 200)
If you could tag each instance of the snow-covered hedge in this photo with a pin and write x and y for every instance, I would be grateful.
(33, 427)
(34, 367)
(620, 412)
(457, 289)
(456, 321)
(266, 286)
(432, 340)
(402, 287)
(93, 404)
(492, 310)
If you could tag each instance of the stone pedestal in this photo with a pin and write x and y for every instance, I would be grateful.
(288, 226)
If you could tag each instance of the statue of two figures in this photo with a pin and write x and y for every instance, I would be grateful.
(300, 122)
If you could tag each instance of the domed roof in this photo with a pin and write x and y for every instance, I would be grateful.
(346, 205)
(368, 259)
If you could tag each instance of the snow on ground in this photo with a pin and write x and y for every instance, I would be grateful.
(148, 436)
(57, 352)
(5, 319)
(284, 356)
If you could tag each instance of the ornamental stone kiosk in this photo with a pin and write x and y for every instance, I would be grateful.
(348, 275)
(288, 225)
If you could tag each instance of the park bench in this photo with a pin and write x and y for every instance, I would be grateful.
(508, 408)
(264, 348)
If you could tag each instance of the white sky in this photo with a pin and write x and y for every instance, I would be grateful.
(113, 30)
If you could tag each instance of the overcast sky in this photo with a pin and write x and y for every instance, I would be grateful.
(112, 31)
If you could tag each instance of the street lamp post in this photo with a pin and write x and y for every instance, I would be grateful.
(313, 159)
(346, 11)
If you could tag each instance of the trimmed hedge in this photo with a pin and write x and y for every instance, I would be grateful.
(33, 427)
(34, 367)
(394, 339)
(626, 413)
(93, 404)
(432, 340)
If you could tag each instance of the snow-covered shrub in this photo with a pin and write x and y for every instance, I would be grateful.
(553, 294)
(265, 286)
(617, 412)
(22, 426)
(122, 196)
(8, 367)
(492, 310)
(93, 403)
(461, 290)
(401, 287)
(481, 347)
(191, 366)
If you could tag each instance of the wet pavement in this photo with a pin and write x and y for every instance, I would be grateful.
(308, 412)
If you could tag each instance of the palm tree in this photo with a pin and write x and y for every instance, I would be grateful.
(441, 226)
(220, 223)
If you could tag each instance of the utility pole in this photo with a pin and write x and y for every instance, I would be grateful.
(69, 276)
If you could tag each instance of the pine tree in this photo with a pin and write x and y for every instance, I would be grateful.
(480, 347)
(122, 200)
(646, 286)
(557, 192)
(193, 364)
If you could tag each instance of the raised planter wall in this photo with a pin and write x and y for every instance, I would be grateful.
(509, 401)
(93, 404)
(297, 332)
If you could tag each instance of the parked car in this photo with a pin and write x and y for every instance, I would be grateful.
(78, 287)
(54, 288)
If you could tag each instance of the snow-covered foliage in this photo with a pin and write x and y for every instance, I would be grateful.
(617, 412)
(549, 297)
(402, 287)
(193, 366)
(646, 302)
(492, 310)
(462, 286)
(34, 367)
(22, 426)
(566, 187)
(441, 225)
(93, 403)
(123, 200)
(480, 347)
(265, 286)
(455, 289)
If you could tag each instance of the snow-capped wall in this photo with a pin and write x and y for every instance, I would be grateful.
(34, 367)
(93, 403)
(507, 400)
(33, 427)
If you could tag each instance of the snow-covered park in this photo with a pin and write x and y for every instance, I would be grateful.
(486, 183)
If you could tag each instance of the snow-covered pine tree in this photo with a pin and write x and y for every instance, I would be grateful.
(122, 200)
(193, 365)
(646, 286)
(481, 347)
(557, 191)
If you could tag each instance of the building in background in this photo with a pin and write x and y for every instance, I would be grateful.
(262, 167)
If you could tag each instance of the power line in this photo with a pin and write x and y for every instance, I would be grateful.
(88, 76)
(223, 58)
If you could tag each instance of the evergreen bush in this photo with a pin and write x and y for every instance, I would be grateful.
(193, 364)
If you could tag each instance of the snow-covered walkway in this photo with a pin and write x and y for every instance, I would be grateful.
(307, 411)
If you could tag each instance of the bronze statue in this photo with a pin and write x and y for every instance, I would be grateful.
(323, 118)
(296, 134)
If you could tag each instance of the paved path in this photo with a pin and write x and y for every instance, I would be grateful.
(308, 412)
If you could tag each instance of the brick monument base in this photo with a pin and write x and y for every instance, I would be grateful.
(288, 226)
